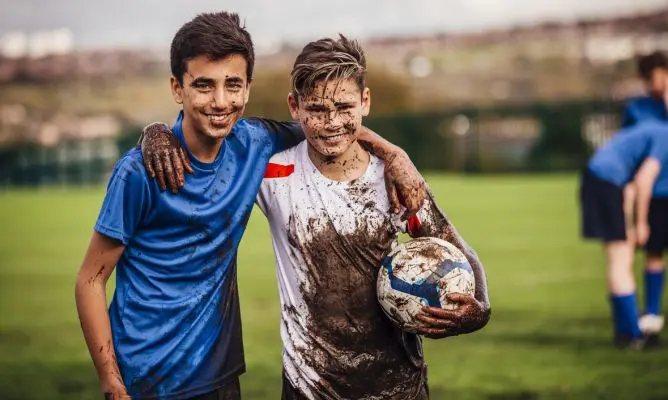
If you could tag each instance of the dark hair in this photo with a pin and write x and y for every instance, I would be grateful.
(214, 35)
(326, 59)
(650, 62)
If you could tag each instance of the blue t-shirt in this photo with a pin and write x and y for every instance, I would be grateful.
(175, 312)
(642, 109)
(617, 161)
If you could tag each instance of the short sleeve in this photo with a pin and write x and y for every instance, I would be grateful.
(659, 149)
(125, 202)
(282, 134)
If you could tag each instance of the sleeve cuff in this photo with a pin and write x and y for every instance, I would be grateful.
(112, 233)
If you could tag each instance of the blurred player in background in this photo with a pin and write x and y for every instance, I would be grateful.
(635, 154)
(653, 70)
(331, 226)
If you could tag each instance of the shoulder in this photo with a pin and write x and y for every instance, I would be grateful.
(244, 128)
(290, 155)
(283, 164)
(255, 126)
(130, 169)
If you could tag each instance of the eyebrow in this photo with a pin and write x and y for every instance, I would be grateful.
(344, 103)
(211, 81)
(314, 105)
(234, 79)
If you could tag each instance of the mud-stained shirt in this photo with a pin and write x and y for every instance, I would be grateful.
(329, 238)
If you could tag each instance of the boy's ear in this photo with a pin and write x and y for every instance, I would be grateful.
(247, 94)
(177, 90)
(293, 104)
(366, 101)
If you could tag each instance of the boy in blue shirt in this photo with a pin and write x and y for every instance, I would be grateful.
(637, 155)
(653, 70)
(173, 328)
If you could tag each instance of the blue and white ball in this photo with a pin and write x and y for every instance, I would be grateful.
(420, 273)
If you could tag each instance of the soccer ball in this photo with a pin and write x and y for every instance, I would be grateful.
(420, 273)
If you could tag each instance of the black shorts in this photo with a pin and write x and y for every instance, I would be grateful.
(231, 390)
(658, 226)
(602, 209)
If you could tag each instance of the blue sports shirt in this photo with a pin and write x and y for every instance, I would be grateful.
(618, 160)
(175, 316)
(642, 109)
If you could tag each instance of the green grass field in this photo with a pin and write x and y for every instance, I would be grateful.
(549, 337)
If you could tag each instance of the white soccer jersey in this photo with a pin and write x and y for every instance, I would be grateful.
(329, 238)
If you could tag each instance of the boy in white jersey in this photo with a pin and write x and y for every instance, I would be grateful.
(331, 226)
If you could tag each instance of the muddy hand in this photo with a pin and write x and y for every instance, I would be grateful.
(404, 185)
(469, 316)
(164, 157)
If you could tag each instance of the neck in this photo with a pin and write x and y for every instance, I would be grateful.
(202, 147)
(348, 166)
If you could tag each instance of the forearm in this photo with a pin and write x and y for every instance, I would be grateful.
(643, 198)
(378, 146)
(435, 223)
(91, 301)
(629, 202)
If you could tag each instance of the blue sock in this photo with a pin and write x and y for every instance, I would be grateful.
(625, 315)
(653, 292)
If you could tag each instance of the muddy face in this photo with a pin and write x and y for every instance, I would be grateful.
(355, 348)
(331, 116)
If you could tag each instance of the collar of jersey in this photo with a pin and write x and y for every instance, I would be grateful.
(329, 181)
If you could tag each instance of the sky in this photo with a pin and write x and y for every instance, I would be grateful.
(152, 23)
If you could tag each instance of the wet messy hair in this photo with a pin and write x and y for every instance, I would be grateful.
(328, 59)
(215, 35)
(648, 63)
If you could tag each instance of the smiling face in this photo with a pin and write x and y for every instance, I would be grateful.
(331, 115)
(214, 94)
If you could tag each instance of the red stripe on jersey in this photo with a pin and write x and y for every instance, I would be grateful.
(278, 170)
(414, 224)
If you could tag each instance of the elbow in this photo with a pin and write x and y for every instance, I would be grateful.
(487, 316)
(80, 287)
(86, 285)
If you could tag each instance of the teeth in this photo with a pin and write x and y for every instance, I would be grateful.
(333, 137)
(218, 118)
